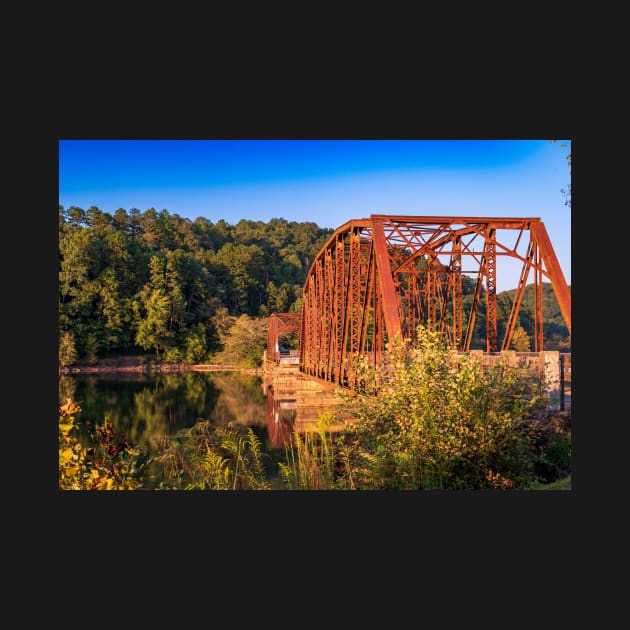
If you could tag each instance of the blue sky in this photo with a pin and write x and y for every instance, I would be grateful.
(328, 182)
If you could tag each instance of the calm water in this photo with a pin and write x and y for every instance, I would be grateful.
(148, 407)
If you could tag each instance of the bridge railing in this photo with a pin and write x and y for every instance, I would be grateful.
(288, 357)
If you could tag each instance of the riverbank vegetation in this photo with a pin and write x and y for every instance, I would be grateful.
(433, 421)
(438, 420)
(110, 463)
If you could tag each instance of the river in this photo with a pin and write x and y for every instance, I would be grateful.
(148, 407)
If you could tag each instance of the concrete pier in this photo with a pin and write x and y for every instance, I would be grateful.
(295, 401)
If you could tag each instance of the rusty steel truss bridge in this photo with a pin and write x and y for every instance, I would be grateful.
(379, 278)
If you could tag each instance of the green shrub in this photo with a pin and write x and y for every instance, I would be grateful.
(433, 419)
(554, 459)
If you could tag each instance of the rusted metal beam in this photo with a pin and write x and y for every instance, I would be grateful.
(431, 293)
(491, 292)
(518, 297)
(538, 307)
(328, 314)
(365, 315)
(321, 317)
(495, 222)
(558, 282)
(456, 279)
(385, 282)
(473, 311)
(340, 314)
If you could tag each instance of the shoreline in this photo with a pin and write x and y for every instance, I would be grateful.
(146, 368)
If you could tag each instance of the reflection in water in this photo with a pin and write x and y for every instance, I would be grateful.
(295, 403)
(148, 407)
(281, 415)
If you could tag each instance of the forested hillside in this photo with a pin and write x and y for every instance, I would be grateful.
(154, 281)
(555, 332)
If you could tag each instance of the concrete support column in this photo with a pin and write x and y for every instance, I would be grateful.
(478, 354)
(550, 366)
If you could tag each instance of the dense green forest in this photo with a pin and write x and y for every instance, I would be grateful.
(152, 281)
(157, 282)
(555, 332)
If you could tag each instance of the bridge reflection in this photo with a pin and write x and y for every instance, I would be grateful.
(295, 402)
(281, 414)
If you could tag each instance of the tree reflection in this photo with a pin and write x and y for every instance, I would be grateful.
(240, 401)
(149, 407)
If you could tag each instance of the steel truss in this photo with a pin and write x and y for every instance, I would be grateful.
(379, 278)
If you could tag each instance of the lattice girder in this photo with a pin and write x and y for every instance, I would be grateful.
(378, 278)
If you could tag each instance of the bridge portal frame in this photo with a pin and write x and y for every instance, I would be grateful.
(280, 323)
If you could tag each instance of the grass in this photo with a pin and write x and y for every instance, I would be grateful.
(560, 484)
